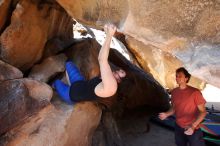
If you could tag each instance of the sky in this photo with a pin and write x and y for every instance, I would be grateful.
(212, 96)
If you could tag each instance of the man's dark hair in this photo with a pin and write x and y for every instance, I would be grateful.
(185, 72)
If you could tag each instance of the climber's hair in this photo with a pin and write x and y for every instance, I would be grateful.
(114, 67)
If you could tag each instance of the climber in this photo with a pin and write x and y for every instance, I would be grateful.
(99, 87)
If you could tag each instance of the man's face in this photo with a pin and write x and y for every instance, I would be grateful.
(181, 78)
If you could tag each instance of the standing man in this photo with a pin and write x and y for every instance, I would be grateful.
(188, 105)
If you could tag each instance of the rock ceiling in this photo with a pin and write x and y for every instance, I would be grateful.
(186, 31)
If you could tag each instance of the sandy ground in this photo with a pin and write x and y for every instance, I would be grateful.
(158, 136)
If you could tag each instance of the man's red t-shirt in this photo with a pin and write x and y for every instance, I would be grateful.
(185, 103)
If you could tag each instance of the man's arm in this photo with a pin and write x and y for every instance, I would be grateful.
(164, 115)
(199, 119)
(201, 116)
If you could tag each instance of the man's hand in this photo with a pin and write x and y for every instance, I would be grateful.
(189, 131)
(110, 29)
(163, 116)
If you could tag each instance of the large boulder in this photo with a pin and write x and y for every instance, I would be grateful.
(138, 89)
(23, 41)
(138, 95)
(162, 65)
(59, 125)
(20, 99)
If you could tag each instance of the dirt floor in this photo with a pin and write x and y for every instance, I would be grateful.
(157, 136)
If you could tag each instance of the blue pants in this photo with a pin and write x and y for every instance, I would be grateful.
(63, 89)
(182, 139)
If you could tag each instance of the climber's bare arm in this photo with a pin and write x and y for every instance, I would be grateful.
(108, 86)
